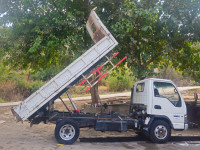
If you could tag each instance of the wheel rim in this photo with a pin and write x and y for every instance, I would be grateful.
(160, 132)
(67, 132)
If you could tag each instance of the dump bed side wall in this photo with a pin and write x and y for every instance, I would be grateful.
(65, 77)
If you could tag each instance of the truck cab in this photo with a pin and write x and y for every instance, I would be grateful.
(163, 106)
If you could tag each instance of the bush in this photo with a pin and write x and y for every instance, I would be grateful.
(3, 72)
(176, 77)
(46, 74)
(8, 91)
(2, 101)
(120, 80)
(77, 91)
(27, 88)
(15, 87)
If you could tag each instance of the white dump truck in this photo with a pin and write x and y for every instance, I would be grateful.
(156, 105)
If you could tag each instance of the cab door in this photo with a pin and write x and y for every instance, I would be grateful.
(167, 102)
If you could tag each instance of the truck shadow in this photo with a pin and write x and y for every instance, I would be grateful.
(137, 138)
(113, 139)
(185, 138)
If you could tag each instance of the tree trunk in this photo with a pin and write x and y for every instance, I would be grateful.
(165, 71)
(94, 95)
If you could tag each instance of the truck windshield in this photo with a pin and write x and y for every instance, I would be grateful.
(167, 90)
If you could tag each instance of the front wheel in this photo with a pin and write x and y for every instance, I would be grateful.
(67, 132)
(160, 131)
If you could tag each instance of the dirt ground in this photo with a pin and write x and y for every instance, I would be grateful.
(19, 136)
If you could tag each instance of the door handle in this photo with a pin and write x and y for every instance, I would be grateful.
(157, 106)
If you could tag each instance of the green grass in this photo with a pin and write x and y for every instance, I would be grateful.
(192, 91)
(2, 101)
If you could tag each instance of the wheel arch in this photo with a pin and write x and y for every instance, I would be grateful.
(160, 117)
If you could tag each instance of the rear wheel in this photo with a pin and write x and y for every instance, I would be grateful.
(160, 131)
(67, 132)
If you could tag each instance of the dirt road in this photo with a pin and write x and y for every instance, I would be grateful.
(18, 136)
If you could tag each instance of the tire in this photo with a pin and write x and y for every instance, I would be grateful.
(67, 132)
(160, 131)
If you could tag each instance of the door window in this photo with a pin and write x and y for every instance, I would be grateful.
(167, 90)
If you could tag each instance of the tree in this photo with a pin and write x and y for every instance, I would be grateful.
(47, 33)
(152, 33)
(44, 32)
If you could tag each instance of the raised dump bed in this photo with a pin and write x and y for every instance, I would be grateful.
(105, 42)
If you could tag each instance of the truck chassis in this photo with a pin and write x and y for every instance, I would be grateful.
(68, 124)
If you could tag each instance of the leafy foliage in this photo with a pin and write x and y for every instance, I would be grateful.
(120, 80)
(39, 34)
(151, 32)
(48, 32)
(44, 32)
(46, 74)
